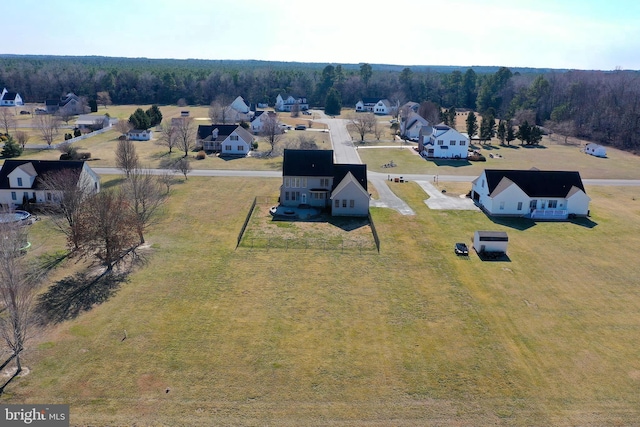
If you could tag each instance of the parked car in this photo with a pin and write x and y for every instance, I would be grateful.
(301, 127)
(461, 249)
(23, 112)
(306, 113)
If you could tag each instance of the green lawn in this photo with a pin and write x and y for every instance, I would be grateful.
(410, 337)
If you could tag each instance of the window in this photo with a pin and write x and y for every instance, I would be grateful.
(233, 137)
(440, 142)
(287, 182)
(19, 182)
(452, 142)
(352, 204)
(240, 148)
(533, 204)
(519, 206)
(502, 205)
(344, 203)
(227, 148)
(463, 142)
(552, 204)
(14, 196)
(482, 183)
(324, 182)
(286, 195)
(304, 182)
(337, 203)
(48, 197)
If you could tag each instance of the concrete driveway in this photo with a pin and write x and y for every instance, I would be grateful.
(438, 200)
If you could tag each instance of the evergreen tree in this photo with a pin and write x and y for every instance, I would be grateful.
(487, 127)
(365, 73)
(154, 114)
(11, 149)
(535, 135)
(472, 125)
(511, 135)
(452, 117)
(502, 132)
(140, 120)
(524, 133)
(333, 103)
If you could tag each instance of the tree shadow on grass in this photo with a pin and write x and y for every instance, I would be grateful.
(73, 295)
(113, 183)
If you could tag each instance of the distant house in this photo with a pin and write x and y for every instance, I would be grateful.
(374, 105)
(536, 194)
(310, 177)
(260, 118)
(595, 150)
(442, 142)
(140, 134)
(411, 126)
(228, 140)
(490, 241)
(92, 122)
(10, 99)
(70, 104)
(409, 107)
(22, 180)
(287, 103)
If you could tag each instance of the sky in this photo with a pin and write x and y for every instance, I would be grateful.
(575, 34)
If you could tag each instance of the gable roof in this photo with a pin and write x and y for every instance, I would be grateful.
(344, 182)
(371, 100)
(536, 183)
(40, 168)
(10, 96)
(205, 132)
(357, 171)
(307, 163)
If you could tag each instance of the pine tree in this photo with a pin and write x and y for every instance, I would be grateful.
(502, 132)
(472, 125)
(333, 103)
(11, 149)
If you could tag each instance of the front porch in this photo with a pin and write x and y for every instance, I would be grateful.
(549, 214)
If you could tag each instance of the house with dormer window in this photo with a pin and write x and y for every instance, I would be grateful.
(23, 180)
(10, 99)
(442, 142)
(288, 103)
(228, 140)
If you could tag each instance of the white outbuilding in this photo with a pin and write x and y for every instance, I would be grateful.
(490, 241)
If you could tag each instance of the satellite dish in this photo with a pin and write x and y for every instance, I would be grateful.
(427, 130)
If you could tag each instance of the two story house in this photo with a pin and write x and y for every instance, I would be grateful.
(442, 142)
(310, 177)
(228, 140)
(10, 99)
(287, 103)
(374, 105)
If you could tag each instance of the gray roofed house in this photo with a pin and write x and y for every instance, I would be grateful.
(228, 140)
(20, 179)
(536, 194)
(10, 99)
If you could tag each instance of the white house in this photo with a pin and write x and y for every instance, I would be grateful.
(536, 194)
(310, 177)
(595, 150)
(260, 118)
(411, 126)
(374, 105)
(442, 142)
(228, 140)
(10, 99)
(70, 104)
(287, 103)
(22, 180)
(140, 134)
(490, 241)
(240, 106)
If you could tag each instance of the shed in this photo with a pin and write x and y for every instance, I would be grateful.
(490, 241)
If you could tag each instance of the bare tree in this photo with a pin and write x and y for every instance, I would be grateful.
(7, 119)
(377, 130)
(22, 138)
(272, 132)
(363, 123)
(430, 111)
(126, 156)
(295, 110)
(65, 115)
(182, 102)
(109, 230)
(166, 178)
(185, 134)
(168, 136)
(145, 195)
(49, 126)
(307, 143)
(66, 192)
(183, 165)
(103, 98)
(220, 113)
(123, 127)
(17, 292)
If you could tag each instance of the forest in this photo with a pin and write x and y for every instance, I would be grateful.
(601, 106)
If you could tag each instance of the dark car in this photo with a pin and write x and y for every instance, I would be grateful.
(461, 249)
(301, 127)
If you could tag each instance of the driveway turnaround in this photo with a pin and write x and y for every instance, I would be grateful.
(438, 200)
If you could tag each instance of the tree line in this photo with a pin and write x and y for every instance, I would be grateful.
(597, 105)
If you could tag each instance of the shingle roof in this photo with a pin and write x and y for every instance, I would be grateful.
(536, 183)
(10, 96)
(307, 163)
(359, 172)
(41, 167)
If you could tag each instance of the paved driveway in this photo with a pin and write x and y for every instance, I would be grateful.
(438, 200)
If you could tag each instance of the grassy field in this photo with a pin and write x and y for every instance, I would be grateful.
(412, 336)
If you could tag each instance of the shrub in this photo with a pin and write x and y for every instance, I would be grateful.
(254, 146)
(11, 149)
(83, 155)
(201, 155)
